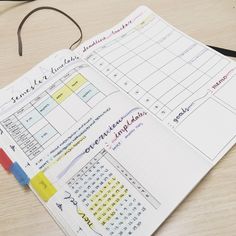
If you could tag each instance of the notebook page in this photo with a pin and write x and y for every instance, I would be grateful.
(187, 86)
(97, 161)
(17, 141)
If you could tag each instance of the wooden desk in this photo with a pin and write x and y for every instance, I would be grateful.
(211, 208)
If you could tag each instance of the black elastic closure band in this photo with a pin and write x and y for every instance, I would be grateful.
(224, 51)
(20, 45)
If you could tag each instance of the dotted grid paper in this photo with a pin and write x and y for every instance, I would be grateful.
(157, 65)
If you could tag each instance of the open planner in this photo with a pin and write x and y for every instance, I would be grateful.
(112, 136)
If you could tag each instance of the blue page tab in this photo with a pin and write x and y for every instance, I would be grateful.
(19, 174)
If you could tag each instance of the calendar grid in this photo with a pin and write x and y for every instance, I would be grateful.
(107, 197)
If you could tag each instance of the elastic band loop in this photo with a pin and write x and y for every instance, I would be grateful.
(20, 45)
(224, 51)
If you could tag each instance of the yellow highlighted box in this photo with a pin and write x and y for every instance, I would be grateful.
(43, 186)
(102, 190)
(76, 82)
(109, 198)
(109, 206)
(62, 94)
(98, 199)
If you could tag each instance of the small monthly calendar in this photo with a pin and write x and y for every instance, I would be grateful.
(106, 194)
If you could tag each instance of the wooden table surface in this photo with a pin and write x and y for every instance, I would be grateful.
(211, 208)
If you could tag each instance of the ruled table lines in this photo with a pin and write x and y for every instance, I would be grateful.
(45, 118)
(157, 65)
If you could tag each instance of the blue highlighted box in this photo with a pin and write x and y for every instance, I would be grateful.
(31, 118)
(88, 92)
(46, 106)
(45, 134)
(19, 174)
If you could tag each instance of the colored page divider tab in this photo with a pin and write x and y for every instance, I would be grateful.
(62, 94)
(76, 82)
(5, 161)
(19, 174)
(43, 186)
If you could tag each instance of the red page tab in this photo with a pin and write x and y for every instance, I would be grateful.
(5, 161)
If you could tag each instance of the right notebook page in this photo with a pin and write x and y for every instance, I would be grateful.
(186, 85)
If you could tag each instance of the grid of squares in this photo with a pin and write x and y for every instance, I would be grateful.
(157, 65)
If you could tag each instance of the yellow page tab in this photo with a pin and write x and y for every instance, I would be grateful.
(43, 186)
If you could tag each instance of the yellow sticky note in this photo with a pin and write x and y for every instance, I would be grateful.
(43, 186)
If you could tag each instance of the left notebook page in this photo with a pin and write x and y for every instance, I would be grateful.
(39, 108)
(96, 159)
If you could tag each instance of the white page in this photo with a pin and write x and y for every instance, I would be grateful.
(184, 84)
(113, 168)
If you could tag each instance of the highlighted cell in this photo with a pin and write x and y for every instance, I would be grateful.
(76, 82)
(46, 106)
(62, 94)
(31, 118)
(43, 186)
(45, 134)
(88, 92)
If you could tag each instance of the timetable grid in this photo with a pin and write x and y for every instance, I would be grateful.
(30, 146)
(37, 124)
(157, 65)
